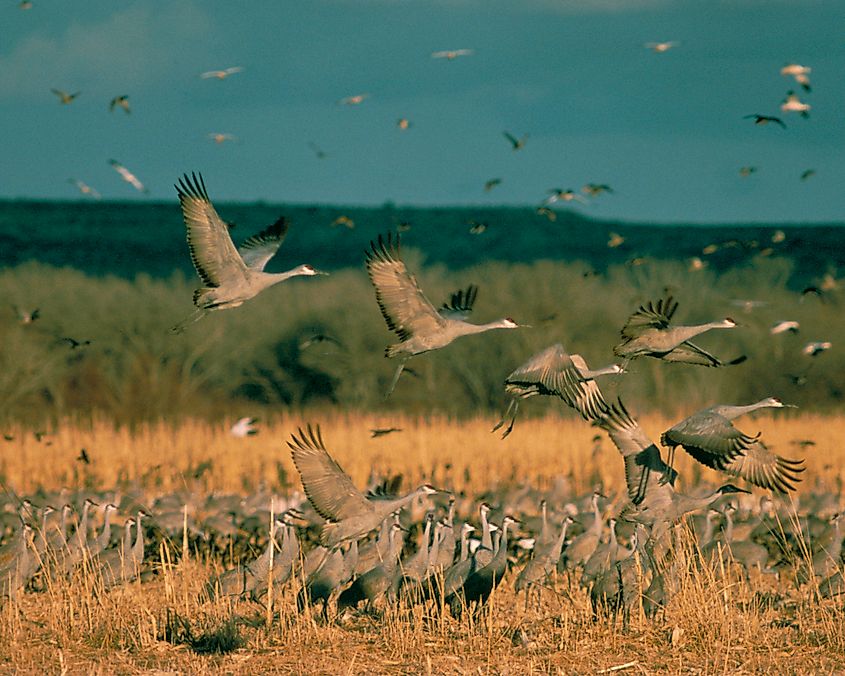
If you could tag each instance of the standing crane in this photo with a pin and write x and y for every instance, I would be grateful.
(230, 276)
(411, 315)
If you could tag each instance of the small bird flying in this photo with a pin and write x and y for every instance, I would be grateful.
(120, 101)
(799, 72)
(807, 174)
(451, 54)
(516, 143)
(793, 104)
(84, 188)
(661, 47)
(568, 195)
(353, 100)
(244, 427)
(491, 183)
(220, 137)
(785, 326)
(221, 74)
(763, 120)
(64, 97)
(128, 176)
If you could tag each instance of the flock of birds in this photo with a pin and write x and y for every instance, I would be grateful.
(323, 541)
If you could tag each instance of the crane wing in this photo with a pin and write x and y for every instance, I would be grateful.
(554, 372)
(644, 466)
(711, 432)
(257, 250)
(688, 353)
(757, 465)
(459, 305)
(402, 303)
(212, 252)
(652, 315)
(329, 489)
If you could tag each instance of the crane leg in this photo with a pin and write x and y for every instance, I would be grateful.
(513, 407)
(668, 476)
(195, 316)
(395, 380)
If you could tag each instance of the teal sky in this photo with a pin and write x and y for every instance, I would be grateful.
(666, 131)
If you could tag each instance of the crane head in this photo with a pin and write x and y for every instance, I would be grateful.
(728, 323)
(508, 323)
(309, 270)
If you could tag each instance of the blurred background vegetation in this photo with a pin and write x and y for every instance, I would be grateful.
(319, 342)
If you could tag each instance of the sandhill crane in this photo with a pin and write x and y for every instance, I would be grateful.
(647, 333)
(334, 497)
(121, 101)
(410, 314)
(244, 427)
(231, 276)
(553, 372)
(17, 569)
(596, 189)
(543, 563)
(99, 543)
(243, 579)
(336, 570)
(763, 120)
(815, 348)
(376, 582)
(710, 437)
(480, 582)
(65, 98)
(582, 546)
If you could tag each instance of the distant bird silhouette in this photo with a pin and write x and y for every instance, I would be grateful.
(317, 150)
(614, 240)
(745, 172)
(793, 104)
(64, 97)
(221, 137)
(230, 276)
(491, 183)
(451, 54)
(244, 427)
(763, 120)
(353, 100)
(128, 176)
(26, 316)
(403, 123)
(221, 74)
(815, 348)
(382, 431)
(550, 214)
(345, 221)
(559, 194)
(516, 143)
(596, 189)
(122, 101)
(784, 326)
(83, 457)
(84, 188)
(807, 174)
(477, 227)
(410, 314)
(799, 72)
(75, 344)
(661, 47)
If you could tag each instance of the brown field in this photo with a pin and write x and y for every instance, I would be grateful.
(715, 624)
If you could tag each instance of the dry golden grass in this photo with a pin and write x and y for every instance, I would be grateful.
(720, 624)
